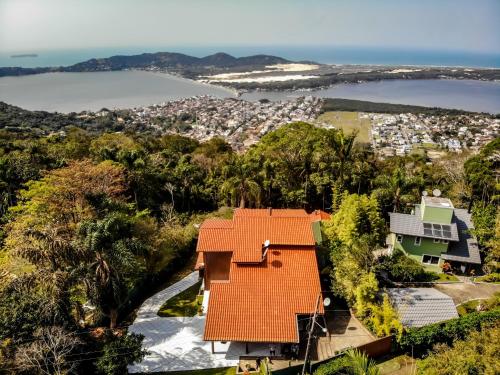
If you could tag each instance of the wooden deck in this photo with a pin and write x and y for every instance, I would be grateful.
(344, 331)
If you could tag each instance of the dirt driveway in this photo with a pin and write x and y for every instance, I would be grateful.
(462, 292)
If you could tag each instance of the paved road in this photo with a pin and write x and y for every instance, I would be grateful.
(462, 292)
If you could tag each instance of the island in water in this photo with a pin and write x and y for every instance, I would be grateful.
(260, 72)
(21, 55)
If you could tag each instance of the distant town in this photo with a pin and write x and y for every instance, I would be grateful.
(242, 123)
(404, 133)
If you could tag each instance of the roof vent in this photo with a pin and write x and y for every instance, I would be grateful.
(265, 248)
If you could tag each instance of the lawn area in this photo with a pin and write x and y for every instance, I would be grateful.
(445, 277)
(400, 365)
(210, 371)
(349, 122)
(493, 278)
(185, 303)
(467, 307)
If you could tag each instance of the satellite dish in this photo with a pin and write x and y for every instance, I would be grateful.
(267, 243)
(436, 192)
(326, 302)
(424, 193)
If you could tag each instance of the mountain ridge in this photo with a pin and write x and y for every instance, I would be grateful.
(161, 60)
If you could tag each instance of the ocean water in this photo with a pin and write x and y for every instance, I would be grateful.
(321, 54)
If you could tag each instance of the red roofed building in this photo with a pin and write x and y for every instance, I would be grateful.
(261, 274)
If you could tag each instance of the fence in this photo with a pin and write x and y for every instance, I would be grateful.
(374, 349)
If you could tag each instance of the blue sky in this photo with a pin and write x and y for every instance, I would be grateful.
(459, 25)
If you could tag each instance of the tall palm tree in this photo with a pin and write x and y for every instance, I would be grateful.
(240, 183)
(361, 364)
(343, 146)
(110, 261)
(398, 187)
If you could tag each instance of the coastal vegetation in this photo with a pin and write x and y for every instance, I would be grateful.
(92, 221)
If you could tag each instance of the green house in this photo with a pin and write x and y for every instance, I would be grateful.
(434, 233)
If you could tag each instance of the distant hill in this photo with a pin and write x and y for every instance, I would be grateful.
(162, 60)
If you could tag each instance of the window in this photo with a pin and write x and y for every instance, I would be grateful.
(399, 238)
(437, 240)
(445, 242)
(418, 241)
(429, 259)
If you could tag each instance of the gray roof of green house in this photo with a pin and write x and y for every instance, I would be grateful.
(413, 225)
(418, 307)
(463, 246)
(466, 249)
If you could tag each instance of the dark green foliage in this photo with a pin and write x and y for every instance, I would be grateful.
(120, 352)
(26, 304)
(337, 366)
(484, 218)
(481, 172)
(420, 340)
(399, 267)
(364, 106)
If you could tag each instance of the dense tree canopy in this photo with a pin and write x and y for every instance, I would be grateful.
(92, 220)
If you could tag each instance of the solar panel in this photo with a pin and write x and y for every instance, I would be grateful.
(446, 233)
(437, 230)
(427, 229)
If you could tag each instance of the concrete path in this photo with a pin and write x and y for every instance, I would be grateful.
(151, 306)
(462, 292)
(176, 344)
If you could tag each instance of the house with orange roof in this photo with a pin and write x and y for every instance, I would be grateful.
(260, 275)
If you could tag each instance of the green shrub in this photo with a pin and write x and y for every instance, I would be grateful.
(403, 268)
(339, 365)
(120, 352)
(423, 338)
(491, 278)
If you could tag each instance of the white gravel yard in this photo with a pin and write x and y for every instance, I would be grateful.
(176, 344)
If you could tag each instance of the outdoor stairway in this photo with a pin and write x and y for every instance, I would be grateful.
(325, 350)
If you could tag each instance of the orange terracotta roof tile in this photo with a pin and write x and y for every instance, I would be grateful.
(263, 296)
(199, 262)
(319, 215)
(266, 212)
(260, 303)
(247, 232)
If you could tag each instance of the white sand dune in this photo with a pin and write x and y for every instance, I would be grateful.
(289, 77)
(404, 71)
(293, 67)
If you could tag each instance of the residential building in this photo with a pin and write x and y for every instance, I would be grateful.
(434, 233)
(418, 307)
(260, 275)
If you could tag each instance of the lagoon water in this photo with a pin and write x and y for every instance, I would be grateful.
(67, 92)
(470, 95)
